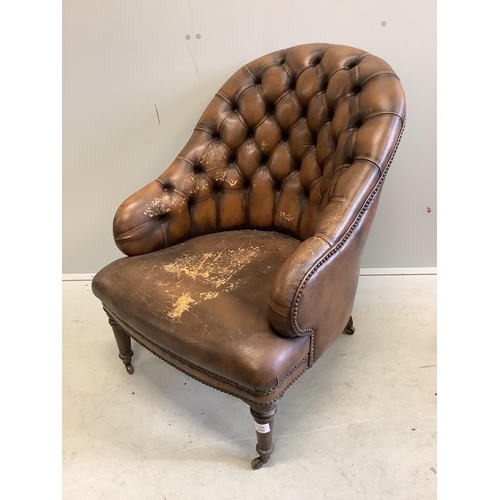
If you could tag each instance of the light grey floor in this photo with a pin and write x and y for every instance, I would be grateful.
(361, 424)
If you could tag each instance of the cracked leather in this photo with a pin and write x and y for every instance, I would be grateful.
(290, 157)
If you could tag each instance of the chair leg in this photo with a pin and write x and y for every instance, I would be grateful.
(349, 329)
(264, 423)
(125, 352)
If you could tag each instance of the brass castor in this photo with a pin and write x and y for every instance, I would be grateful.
(349, 329)
(130, 368)
(257, 463)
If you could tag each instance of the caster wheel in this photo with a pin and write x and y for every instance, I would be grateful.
(257, 463)
(130, 369)
(349, 330)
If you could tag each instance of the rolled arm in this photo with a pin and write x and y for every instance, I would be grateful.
(159, 214)
(313, 292)
(150, 219)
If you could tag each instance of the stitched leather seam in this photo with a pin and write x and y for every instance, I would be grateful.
(245, 68)
(224, 98)
(314, 182)
(202, 128)
(310, 150)
(207, 372)
(287, 71)
(321, 74)
(174, 190)
(325, 238)
(296, 124)
(343, 68)
(352, 94)
(382, 113)
(347, 96)
(222, 118)
(378, 75)
(131, 234)
(288, 92)
(319, 93)
(264, 118)
(294, 311)
(366, 158)
(266, 66)
(189, 161)
(205, 197)
(307, 66)
(288, 176)
(242, 90)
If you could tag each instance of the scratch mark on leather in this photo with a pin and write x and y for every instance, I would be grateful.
(214, 161)
(215, 270)
(288, 217)
(181, 305)
(185, 301)
(162, 206)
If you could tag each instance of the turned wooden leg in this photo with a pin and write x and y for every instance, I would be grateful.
(125, 352)
(349, 329)
(264, 423)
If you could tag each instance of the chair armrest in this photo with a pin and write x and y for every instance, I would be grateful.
(157, 215)
(313, 292)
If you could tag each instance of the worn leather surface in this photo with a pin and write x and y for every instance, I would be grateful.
(205, 301)
(295, 143)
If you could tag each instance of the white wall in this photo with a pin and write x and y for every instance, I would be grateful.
(134, 87)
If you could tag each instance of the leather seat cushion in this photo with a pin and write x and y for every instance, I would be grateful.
(206, 301)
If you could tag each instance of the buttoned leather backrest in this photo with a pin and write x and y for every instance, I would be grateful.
(290, 141)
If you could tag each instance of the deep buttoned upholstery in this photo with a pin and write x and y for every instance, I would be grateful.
(287, 160)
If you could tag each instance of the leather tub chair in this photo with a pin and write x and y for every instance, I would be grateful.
(243, 256)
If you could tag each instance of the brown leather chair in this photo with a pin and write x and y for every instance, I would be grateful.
(243, 257)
